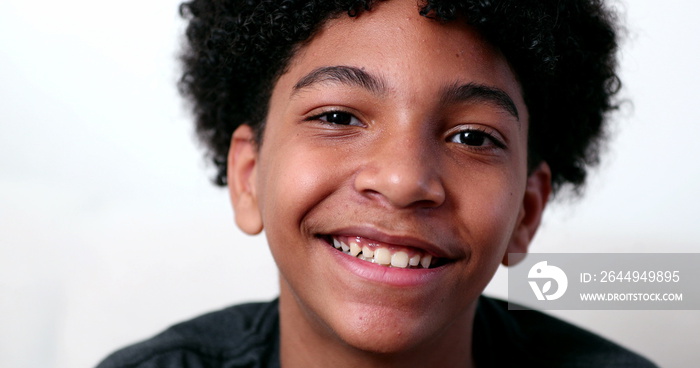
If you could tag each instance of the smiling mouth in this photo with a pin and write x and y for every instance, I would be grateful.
(384, 254)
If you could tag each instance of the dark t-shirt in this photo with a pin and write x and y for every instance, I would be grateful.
(247, 335)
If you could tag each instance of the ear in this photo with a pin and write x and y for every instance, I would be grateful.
(241, 174)
(537, 191)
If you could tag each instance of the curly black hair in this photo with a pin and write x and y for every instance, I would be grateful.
(563, 52)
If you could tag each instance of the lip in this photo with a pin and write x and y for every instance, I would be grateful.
(389, 276)
(397, 240)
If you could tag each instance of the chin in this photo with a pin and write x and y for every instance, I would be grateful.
(389, 330)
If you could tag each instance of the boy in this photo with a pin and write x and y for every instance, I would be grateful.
(394, 152)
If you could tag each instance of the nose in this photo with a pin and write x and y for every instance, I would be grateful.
(403, 173)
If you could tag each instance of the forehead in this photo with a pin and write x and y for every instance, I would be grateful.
(395, 42)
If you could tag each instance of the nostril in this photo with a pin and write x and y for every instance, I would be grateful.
(402, 185)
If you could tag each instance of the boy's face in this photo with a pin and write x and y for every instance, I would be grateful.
(403, 135)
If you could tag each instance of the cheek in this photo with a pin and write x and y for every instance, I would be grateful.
(488, 218)
(490, 210)
(502, 195)
(294, 179)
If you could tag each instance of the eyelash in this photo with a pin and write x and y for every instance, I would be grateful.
(324, 117)
(480, 133)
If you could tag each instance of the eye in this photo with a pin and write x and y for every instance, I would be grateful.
(475, 138)
(338, 118)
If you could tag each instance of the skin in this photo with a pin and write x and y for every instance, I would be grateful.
(386, 161)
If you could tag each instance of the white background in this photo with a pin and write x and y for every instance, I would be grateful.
(110, 230)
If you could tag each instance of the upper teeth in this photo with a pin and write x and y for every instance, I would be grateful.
(382, 255)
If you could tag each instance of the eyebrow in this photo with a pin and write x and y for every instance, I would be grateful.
(481, 93)
(357, 77)
(344, 75)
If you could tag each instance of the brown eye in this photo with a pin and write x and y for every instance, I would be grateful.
(475, 138)
(340, 118)
(471, 138)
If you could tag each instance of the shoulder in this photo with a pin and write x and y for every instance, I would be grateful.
(537, 338)
(245, 335)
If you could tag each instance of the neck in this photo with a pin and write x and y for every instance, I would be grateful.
(305, 341)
